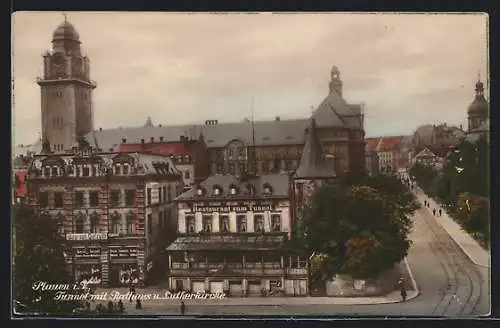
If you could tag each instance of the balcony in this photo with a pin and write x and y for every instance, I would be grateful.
(268, 269)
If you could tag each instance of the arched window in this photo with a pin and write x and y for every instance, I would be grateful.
(79, 223)
(94, 222)
(116, 222)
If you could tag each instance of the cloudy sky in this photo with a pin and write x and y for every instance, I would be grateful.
(187, 68)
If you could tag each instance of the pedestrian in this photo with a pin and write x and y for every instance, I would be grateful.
(110, 307)
(434, 212)
(425, 202)
(440, 212)
(138, 304)
(121, 308)
(183, 308)
(403, 292)
(132, 291)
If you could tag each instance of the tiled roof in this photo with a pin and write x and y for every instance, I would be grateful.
(371, 143)
(21, 189)
(389, 143)
(279, 184)
(313, 163)
(165, 149)
(228, 242)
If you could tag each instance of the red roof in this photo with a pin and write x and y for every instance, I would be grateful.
(166, 149)
(389, 143)
(21, 190)
(371, 143)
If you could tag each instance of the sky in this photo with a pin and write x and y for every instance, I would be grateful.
(181, 68)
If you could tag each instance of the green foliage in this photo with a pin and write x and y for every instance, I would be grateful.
(321, 267)
(38, 257)
(358, 226)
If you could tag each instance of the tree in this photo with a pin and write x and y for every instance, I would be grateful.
(361, 229)
(38, 257)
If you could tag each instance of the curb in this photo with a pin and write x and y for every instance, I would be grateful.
(416, 290)
(454, 238)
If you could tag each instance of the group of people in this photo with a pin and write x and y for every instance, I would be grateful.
(436, 212)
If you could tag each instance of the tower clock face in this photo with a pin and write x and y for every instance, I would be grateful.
(58, 59)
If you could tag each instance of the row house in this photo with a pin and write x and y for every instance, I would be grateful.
(233, 237)
(110, 210)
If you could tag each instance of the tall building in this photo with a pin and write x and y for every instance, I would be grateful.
(66, 90)
(271, 146)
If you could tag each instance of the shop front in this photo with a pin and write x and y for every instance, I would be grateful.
(124, 269)
(86, 264)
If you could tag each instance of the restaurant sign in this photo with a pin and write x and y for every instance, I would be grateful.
(226, 207)
(87, 252)
(87, 236)
(122, 252)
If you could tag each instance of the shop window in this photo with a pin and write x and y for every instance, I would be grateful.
(58, 200)
(224, 223)
(130, 222)
(242, 223)
(94, 198)
(190, 224)
(116, 219)
(79, 223)
(259, 223)
(115, 198)
(43, 199)
(130, 197)
(86, 171)
(276, 222)
(79, 199)
(207, 223)
(94, 222)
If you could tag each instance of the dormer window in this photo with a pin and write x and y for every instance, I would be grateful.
(233, 190)
(250, 189)
(268, 189)
(200, 191)
(217, 190)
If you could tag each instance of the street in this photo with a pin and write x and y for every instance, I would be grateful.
(449, 284)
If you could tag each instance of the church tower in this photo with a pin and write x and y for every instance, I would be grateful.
(477, 113)
(335, 81)
(66, 90)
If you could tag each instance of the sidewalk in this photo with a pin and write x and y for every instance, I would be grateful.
(469, 246)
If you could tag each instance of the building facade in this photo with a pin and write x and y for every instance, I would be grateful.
(66, 90)
(233, 237)
(273, 146)
(109, 209)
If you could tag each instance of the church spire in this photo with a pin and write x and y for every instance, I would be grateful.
(313, 163)
(335, 82)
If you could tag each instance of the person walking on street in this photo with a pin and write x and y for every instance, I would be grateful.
(403, 292)
(183, 308)
(120, 306)
(132, 291)
(440, 212)
(434, 212)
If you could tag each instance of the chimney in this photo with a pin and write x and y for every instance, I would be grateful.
(277, 118)
(142, 141)
(100, 129)
(161, 139)
(152, 139)
(124, 140)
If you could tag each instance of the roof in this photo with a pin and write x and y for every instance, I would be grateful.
(313, 163)
(65, 31)
(232, 242)
(335, 112)
(165, 149)
(21, 189)
(389, 143)
(371, 143)
(484, 127)
(279, 184)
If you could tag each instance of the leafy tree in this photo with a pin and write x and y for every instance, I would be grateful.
(360, 230)
(38, 257)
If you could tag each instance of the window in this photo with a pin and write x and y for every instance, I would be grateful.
(242, 167)
(259, 223)
(94, 171)
(187, 174)
(150, 223)
(242, 223)
(86, 170)
(190, 224)
(277, 164)
(43, 199)
(231, 168)
(58, 200)
(46, 171)
(125, 169)
(130, 197)
(267, 189)
(79, 200)
(276, 222)
(118, 169)
(160, 194)
(288, 165)
(116, 219)
(224, 223)
(169, 191)
(207, 223)
(219, 168)
(79, 223)
(54, 171)
(130, 222)
(94, 222)
(77, 170)
(265, 167)
(115, 198)
(148, 196)
(94, 198)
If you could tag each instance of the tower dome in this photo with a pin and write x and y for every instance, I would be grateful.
(65, 31)
(479, 106)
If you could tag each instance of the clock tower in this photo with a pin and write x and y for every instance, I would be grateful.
(66, 90)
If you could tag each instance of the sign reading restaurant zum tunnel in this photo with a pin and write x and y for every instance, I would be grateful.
(87, 236)
(232, 206)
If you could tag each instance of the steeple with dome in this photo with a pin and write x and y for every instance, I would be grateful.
(66, 90)
(477, 112)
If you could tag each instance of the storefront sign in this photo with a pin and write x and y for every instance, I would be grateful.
(87, 236)
(121, 252)
(87, 252)
(226, 207)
